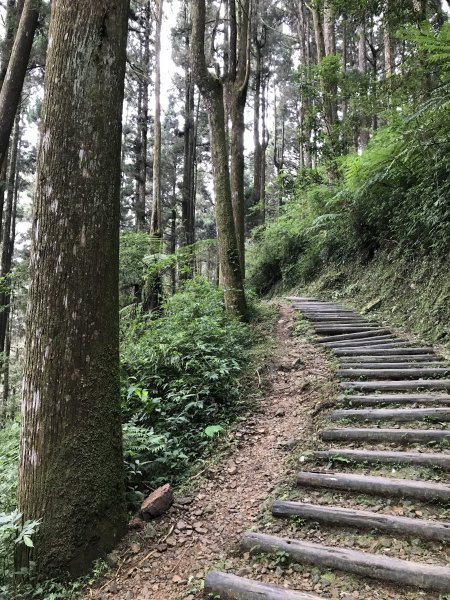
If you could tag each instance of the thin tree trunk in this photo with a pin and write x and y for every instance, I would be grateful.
(143, 125)
(213, 92)
(256, 199)
(17, 68)
(7, 246)
(362, 67)
(156, 224)
(71, 465)
(240, 36)
(187, 206)
(387, 42)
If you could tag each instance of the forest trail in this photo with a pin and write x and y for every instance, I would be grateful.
(170, 557)
(363, 518)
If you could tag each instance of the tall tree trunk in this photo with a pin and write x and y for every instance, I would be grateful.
(212, 90)
(256, 195)
(188, 201)
(264, 146)
(240, 36)
(387, 42)
(17, 68)
(71, 465)
(318, 33)
(13, 13)
(153, 294)
(7, 242)
(362, 68)
(156, 224)
(329, 32)
(143, 124)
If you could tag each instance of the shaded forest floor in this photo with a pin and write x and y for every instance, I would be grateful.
(170, 557)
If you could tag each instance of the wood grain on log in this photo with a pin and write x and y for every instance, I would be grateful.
(231, 587)
(394, 373)
(379, 486)
(368, 351)
(394, 358)
(386, 568)
(384, 457)
(363, 519)
(416, 384)
(397, 436)
(390, 365)
(381, 399)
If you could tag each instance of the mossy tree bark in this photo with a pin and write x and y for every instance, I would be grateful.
(212, 90)
(71, 466)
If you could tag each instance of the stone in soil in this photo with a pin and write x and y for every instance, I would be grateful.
(157, 503)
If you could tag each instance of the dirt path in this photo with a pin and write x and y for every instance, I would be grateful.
(169, 559)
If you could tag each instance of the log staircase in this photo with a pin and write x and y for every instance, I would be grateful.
(394, 394)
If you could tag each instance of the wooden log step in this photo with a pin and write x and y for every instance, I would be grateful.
(301, 299)
(339, 329)
(394, 373)
(383, 457)
(393, 365)
(396, 358)
(416, 384)
(380, 399)
(230, 587)
(377, 486)
(372, 333)
(396, 344)
(363, 519)
(386, 435)
(401, 415)
(368, 351)
(373, 342)
(339, 319)
(376, 566)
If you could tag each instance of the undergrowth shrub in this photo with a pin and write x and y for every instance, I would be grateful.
(180, 374)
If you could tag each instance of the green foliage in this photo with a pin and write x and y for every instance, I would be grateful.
(180, 374)
(9, 459)
(392, 196)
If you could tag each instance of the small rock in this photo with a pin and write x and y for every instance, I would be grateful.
(112, 588)
(157, 503)
(136, 523)
(280, 412)
(232, 469)
(289, 444)
(177, 579)
(135, 548)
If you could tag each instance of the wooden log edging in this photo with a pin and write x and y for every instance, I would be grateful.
(377, 366)
(394, 373)
(386, 568)
(368, 351)
(392, 358)
(380, 399)
(376, 332)
(232, 587)
(378, 486)
(440, 460)
(386, 435)
(373, 342)
(363, 519)
(416, 384)
(401, 415)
